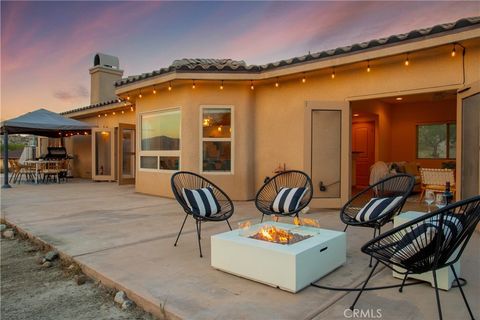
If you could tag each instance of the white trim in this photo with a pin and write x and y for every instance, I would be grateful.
(158, 153)
(231, 140)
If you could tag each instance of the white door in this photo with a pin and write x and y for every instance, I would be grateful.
(328, 157)
(469, 131)
(103, 147)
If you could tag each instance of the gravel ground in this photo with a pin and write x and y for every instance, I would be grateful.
(29, 291)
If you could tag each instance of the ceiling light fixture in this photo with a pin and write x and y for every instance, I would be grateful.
(399, 98)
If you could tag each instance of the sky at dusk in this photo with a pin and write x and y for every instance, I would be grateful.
(48, 47)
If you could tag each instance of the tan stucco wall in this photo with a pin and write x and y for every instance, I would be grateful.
(270, 122)
(238, 185)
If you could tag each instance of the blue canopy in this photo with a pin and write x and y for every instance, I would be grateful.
(42, 122)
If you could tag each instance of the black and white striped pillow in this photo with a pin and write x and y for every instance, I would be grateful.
(377, 207)
(421, 240)
(288, 200)
(201, 201)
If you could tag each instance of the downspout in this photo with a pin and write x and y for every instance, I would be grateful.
(5, 160)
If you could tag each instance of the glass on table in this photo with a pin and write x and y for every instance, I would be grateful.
(429, 198)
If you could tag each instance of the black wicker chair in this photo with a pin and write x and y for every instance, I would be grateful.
(428, 243)
(400, 185)
(190, 180)
(287, 179)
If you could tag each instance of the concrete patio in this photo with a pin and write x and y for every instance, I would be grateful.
(125, 239)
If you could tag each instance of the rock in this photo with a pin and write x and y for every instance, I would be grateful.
(9, 234)
(41, 260)
(47, 264)
(3, 227)
(51, 255)
(120, 297)
(80, 279)
(127, 305)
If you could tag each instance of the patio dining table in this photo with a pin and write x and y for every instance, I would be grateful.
(38, 164)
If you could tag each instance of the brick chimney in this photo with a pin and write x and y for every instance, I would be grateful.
(103, 74)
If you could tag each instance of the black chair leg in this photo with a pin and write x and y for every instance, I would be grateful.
(199, 228)
(364, 285)
(371, 257)
(345, 228)
(262, 217)
(178, 236)
(437, 295)
(461, 291)
(229, 225)
(403, 282)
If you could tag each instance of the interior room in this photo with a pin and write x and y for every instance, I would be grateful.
(401, 134)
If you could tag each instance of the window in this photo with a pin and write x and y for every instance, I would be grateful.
(160, 140)
(436, 141)
(216, 139)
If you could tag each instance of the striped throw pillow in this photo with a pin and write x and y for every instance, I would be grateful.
(201, 201)
(288, 200)
(421, 239)
(377, 207)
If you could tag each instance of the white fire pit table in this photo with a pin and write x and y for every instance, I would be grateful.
(290, 267)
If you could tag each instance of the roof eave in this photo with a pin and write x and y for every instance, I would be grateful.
(382, 51)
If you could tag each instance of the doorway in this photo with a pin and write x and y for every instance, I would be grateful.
(126, 154)
(103, 150)
(363, 152)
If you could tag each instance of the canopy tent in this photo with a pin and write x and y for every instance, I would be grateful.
(40, 122)
(46, 123)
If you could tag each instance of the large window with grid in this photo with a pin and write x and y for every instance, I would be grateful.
(216, 139)
(436, 141)
(160, 140)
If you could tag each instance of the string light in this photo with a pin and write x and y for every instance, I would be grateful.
(99, 116)
(333, 73)
(105, 114)
(193, 84)
(170, 86)
(277, 84)
(221, 86)
(123, 112)
(406, 61)
(304, 79)
(86, 133)
(251, 85)
(453, 51)
(113, 113)
(154, 91)
(131, 108)
(119, 100)
(368, 65)
(128, 97)
(140, 94)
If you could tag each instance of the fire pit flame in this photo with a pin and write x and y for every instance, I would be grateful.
(272, 234)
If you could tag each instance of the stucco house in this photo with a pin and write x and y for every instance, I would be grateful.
(331, 114)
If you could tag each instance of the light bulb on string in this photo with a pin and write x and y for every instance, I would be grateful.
(221, 85)
(453, 51)
(251, 85)
(170, 86)
(333, 73)
(277, 84)
(368, 66)
(407, 62)
(304, 79)
(193, 84)
(154, 90)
